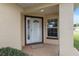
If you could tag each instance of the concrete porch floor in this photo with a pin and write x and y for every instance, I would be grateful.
(41, 50)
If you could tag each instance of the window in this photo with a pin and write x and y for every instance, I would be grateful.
(52, 28)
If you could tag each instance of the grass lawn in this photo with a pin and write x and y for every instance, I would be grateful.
(76, 39)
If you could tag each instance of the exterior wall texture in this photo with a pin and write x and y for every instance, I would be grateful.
(10, 26)
(66, 29)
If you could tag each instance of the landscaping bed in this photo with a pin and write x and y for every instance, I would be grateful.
(11, 52)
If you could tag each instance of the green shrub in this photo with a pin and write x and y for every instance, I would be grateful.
(11, 52)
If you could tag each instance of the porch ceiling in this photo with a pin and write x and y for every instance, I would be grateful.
(36, 8)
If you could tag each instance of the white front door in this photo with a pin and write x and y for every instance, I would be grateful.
(33, 30)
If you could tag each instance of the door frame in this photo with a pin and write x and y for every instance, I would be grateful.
(25, 28)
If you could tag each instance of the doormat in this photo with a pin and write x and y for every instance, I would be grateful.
(37, 46)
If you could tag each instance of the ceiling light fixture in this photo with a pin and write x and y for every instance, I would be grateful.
(42, 10)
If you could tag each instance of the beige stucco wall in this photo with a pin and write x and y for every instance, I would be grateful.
(66, 29)
(22, 30)
(10, 26)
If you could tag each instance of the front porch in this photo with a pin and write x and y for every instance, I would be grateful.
(42, 50)
(11, 19)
